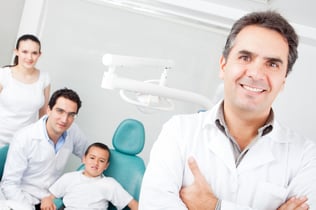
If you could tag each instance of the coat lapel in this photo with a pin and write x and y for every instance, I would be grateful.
(222, 148)
(258, 155)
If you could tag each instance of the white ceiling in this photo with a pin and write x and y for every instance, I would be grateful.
(299, 12)
(220, 14)
(215, 14)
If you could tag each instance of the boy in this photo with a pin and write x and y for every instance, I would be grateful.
(90, 189)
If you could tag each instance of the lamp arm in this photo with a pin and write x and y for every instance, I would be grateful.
(112, 81)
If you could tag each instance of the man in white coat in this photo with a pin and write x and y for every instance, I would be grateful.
(237, 156)
(39, 152)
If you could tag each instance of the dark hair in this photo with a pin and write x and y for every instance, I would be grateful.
(99, 145)
(24, 38)
(270, 20)
(65, 93)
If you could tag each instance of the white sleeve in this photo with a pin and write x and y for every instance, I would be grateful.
(46, 79)
(164, 174)
(3, 76)
(80, 141)
(58, 188)
(121, 197)
(16, 164)
(227, 205)
(303, 183)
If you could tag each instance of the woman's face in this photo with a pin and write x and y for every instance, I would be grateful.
(28, 53)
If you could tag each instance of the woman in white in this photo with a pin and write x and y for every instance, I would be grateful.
(24, 90)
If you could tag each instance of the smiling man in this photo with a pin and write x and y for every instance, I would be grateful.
(237, 156)
(39, 153)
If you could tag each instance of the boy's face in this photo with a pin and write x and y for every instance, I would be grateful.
(96, 161)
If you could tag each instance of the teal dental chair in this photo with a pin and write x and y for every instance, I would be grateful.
(125, 164)
(3, 157)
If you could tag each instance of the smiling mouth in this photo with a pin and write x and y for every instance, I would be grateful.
(253, 89)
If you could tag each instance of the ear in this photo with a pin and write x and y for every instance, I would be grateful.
(48, 111)
(222, 65)
(107, 165)
(283, 84)
(83, 159)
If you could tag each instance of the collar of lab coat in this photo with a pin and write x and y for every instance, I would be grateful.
(258, 155)
(39, 133)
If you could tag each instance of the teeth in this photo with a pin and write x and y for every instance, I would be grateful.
(252, 89)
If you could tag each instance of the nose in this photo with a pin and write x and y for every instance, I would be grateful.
(29, 56)
(64, 117)
(256, 70)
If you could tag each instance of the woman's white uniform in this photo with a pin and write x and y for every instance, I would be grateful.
(19, 103)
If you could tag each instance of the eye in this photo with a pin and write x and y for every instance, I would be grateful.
(273, 65)
(245, 58)
(72, 114)
(59, 111)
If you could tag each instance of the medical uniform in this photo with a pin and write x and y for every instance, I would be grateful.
(33, 164)
(279, 165)
(80, 192)
(19, 103)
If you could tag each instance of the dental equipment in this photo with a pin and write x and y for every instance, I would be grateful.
(153, 94)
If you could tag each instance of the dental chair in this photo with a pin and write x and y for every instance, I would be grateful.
(3, 157)
(125, 164)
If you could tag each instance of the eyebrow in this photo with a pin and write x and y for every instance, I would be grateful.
(60, 109)
(274, 59)
(102, 158)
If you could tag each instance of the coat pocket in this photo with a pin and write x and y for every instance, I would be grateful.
(269, 196)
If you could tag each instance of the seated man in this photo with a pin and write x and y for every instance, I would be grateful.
(90, 189)
(39, 152)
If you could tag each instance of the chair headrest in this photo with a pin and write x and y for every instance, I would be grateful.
(129, 137)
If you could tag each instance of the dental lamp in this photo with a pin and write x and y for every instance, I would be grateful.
(152, 94)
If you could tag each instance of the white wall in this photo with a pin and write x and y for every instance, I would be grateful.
(77, 33)
(10, 15)
(296, 103)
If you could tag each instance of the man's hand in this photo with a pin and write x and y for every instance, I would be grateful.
(47, 203)
(199, 195)
(295, 204)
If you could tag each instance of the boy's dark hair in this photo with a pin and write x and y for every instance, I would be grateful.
(65, 93)
(99, 145)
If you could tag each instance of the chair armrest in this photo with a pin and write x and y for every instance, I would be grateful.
(59, 203)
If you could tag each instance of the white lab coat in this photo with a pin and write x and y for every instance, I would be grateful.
(280, 165)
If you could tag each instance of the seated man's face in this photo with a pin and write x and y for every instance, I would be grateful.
(60, 117)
